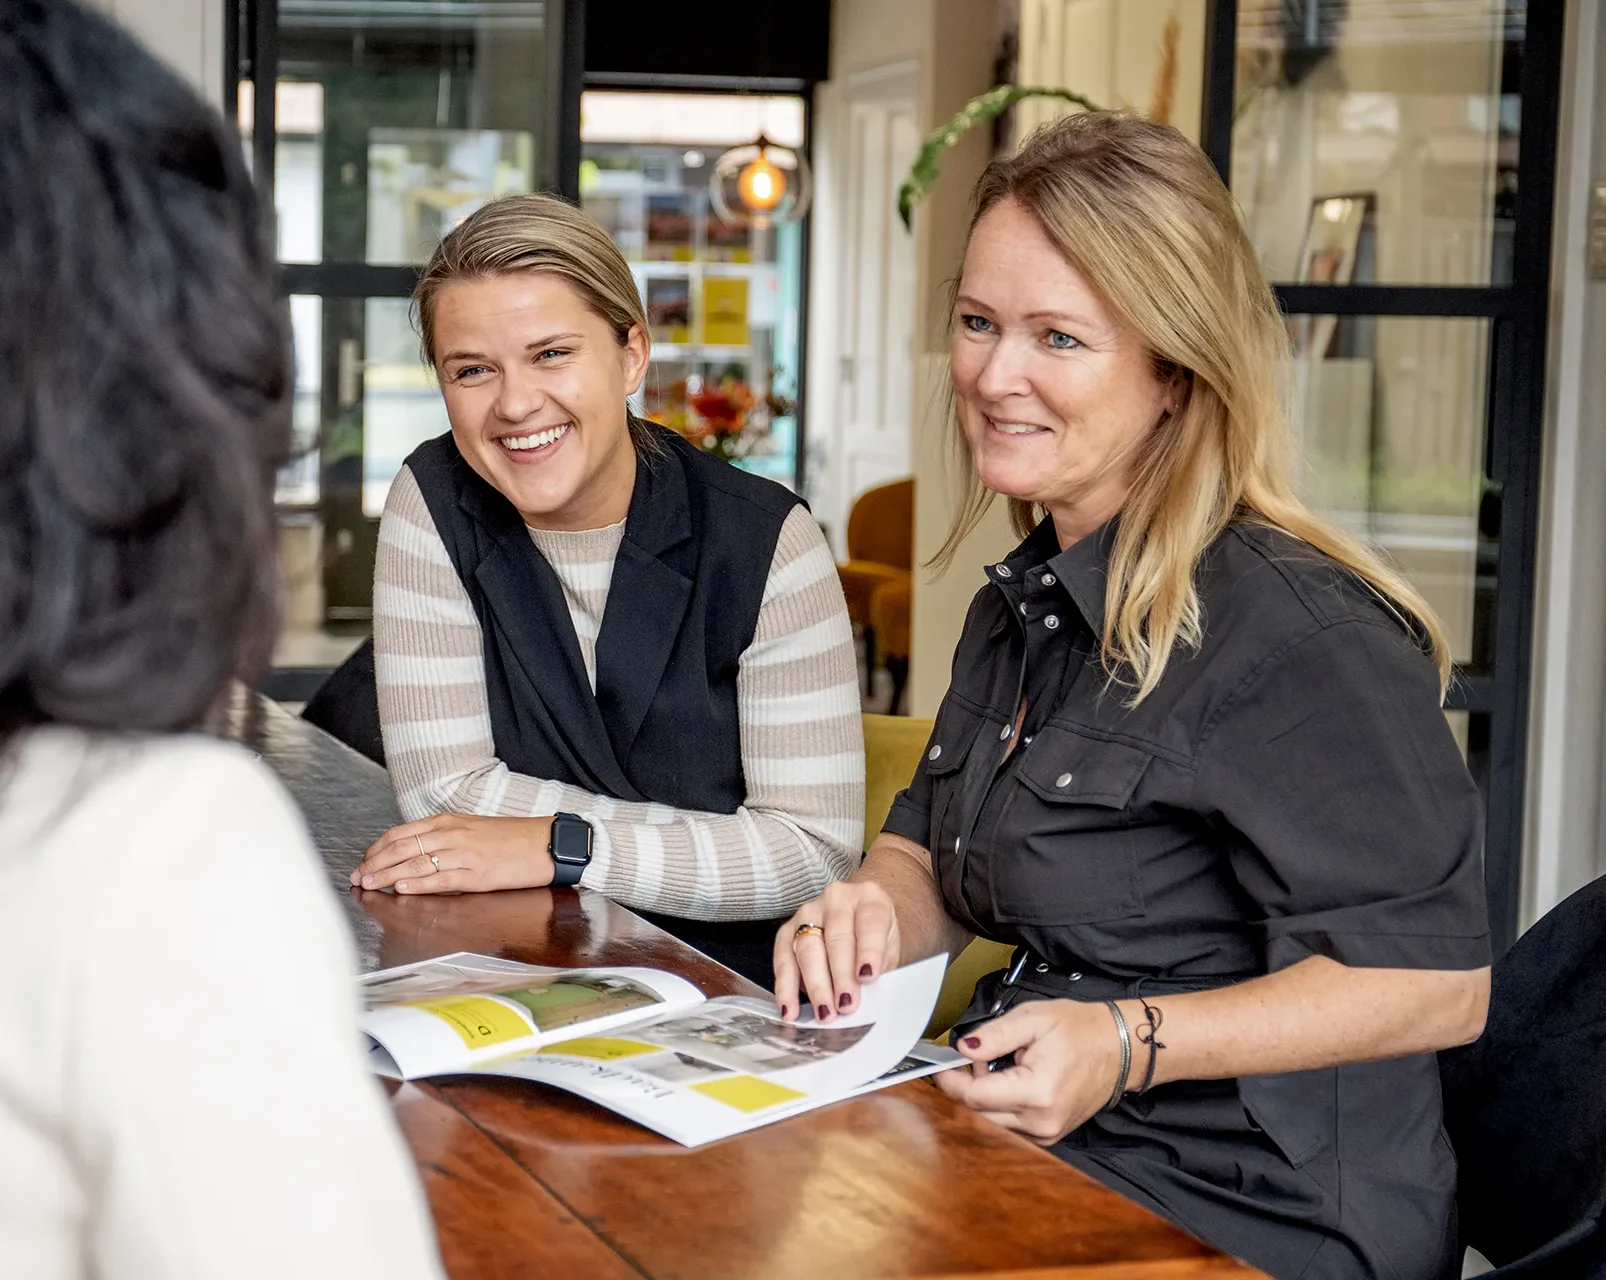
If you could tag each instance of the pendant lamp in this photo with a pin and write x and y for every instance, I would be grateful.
(761, 184)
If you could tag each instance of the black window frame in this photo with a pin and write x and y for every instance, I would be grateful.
(1514, 430)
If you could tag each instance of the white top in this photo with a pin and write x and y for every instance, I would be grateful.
(183, 1089)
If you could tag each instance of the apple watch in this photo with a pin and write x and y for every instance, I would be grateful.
(570, 848)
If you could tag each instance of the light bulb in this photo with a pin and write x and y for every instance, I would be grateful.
(761, 184)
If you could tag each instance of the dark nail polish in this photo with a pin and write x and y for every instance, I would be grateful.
(823, 1012)
(864, 971)
(844, 1001)
(972, 1042)
(783, 1012)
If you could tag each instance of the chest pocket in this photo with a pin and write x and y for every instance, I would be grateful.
(956, 731)
(1065, 851)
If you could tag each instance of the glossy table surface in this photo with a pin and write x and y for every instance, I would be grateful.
(528, 1181)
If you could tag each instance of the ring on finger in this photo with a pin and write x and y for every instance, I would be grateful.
(436, 861)
(805, 929)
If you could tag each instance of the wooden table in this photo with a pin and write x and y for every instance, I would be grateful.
(529, 1181)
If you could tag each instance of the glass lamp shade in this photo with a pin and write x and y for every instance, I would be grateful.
(760, 185)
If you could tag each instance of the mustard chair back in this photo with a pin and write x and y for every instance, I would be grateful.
(893, 749)
(881, 525)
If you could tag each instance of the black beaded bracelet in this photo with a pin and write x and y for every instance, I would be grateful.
(1149, 1035)
(1125, 1033)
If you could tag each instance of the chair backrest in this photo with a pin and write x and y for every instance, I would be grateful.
(346, 705)
(893, 746)
(881, 525)
(1525, 1105)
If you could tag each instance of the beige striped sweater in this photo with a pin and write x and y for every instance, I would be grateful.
(801, 739)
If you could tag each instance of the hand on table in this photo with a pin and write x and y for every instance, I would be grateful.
(459, 853)
(860, 942)
(1066, 1055)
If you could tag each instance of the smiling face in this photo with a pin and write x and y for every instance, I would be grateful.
(1055, 397)
(535, 387)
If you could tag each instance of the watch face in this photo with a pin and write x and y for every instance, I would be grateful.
(571, 841)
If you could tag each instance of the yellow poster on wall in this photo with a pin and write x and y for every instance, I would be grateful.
(725, 311)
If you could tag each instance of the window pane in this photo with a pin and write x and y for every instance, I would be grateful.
(1390, 424)
(723, 301)
(1406, 109)
(396, 120)
(364, 400)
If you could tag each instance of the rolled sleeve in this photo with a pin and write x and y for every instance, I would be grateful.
(910, 815)
(1352, 824)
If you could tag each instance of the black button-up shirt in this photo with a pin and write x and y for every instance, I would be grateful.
(1288, 789)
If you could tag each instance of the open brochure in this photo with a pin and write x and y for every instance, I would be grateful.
(647, 1044)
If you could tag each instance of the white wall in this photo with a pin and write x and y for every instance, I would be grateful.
(1567, 740)
(951, 45)
(188, 34)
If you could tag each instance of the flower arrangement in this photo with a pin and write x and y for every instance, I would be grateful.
(724, 416)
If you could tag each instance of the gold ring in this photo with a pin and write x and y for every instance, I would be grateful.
(422, 852)
(436, 861)
(808, 928)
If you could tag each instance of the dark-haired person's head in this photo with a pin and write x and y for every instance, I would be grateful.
(145, 386)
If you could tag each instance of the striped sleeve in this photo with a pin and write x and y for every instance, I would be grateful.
(801, 737)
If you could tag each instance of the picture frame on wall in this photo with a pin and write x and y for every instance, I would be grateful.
(1334, 243)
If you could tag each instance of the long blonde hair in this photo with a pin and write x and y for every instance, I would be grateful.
(1139, 212)
(537, 233)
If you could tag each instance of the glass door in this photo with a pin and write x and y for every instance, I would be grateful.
(1394, 162)
(389, 122)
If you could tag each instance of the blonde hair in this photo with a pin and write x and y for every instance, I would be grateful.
(1139, 212)
(520, 233)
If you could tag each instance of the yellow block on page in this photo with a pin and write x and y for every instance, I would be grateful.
(479, 1021)
(747, 1093)
(602, 1048)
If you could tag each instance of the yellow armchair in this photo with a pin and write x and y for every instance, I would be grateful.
(893, 747)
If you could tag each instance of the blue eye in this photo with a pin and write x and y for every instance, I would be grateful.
(977, 324)
(469, 371)
(1061, 341)
(552, 351)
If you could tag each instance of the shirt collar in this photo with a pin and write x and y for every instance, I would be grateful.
(1082, 568)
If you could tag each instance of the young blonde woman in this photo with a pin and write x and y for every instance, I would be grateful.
(1192, 761)
(603, 657)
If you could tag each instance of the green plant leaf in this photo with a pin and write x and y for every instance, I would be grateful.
(986, 106)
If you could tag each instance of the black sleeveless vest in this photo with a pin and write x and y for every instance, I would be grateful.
(682, 607)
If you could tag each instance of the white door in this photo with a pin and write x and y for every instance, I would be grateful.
(865, 305)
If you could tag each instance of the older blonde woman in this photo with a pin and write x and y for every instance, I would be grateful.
(1192, 761)
(603, 656)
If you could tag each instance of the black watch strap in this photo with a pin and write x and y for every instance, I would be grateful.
(570, 848)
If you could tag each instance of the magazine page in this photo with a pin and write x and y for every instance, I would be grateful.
(453, 1012)
(731, 1064)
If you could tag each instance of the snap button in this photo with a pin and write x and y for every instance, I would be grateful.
(1063, 781)
(1042, 968)
(934, 752)
(1051, 622)
(1049, 579)
(1003, 734)
(956, 844)
(1023, 606)
(1003, 571)
(1074, 977)
(1027, 739)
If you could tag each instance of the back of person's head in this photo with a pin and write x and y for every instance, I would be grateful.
(144, 386)
(528, 233)
(1142, 216)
